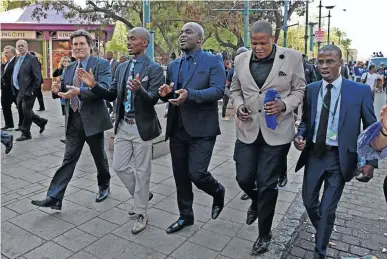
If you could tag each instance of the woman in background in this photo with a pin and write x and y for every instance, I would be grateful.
(372, 143)
(63, 63)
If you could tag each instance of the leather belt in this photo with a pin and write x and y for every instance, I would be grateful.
(130, 121)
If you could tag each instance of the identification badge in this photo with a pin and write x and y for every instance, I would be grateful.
(332, 134)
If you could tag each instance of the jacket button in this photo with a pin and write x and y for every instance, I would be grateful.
(260, 92)
(259, 111)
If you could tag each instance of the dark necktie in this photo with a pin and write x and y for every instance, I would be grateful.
(77, 83)
(184, 70)
(319, 146)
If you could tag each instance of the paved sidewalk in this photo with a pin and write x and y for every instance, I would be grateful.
(88, 230)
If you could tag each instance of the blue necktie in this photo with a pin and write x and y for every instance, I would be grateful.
(16, 72)
(184, 70)
(128, 102)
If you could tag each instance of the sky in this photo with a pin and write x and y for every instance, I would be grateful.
(364, 23)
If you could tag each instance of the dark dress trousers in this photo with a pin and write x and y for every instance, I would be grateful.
(87, 124)
(193, 126)
(29, 80)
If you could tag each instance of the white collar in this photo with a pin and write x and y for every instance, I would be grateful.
(336, 84)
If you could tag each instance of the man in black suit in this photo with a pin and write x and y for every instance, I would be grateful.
(8, 92)
(135, 86)
(193, 87)
(27, 79)
(86, 119)
(39, 94)
(113, 66)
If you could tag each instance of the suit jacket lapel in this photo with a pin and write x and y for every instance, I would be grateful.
(91, 63)
(345, 94)
(144, 68)
(122, 85)
(277, 64)
(175, 73)
(246, 67)
(193, 66)
(71, 72)
(314, 100)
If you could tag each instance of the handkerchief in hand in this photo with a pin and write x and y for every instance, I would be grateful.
(271, 95)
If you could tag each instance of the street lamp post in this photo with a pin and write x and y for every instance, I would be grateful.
(286, 9)
(311, 26)
(306, 27)
(147, 23)
(330, 7)
(319, 22)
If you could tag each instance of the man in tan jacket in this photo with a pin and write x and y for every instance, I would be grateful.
(260, 151)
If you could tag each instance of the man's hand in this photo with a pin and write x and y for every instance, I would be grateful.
(299, 143)
(134, 85)
(165, 89)
(243, 113)
(367, 173)
(86, 77)
(55, 86)
(383, 118)
(72, 91)
(274, 107)
(183, 94)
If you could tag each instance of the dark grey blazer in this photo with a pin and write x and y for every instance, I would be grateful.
(151, 77)
(94, 113)
(29, 77)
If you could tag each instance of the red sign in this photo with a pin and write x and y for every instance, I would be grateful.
(319, 35)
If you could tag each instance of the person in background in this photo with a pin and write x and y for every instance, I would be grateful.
(358, 71)
(95, 52)
(123, 59)
(344, 71)
(372, 143)
(226, 96)
(38, 93)
(369, 78)
(7, 141)
(63, 63)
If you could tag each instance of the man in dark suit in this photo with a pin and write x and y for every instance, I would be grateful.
(135, 86)
(39, 94)
(27, 79)
(333, 110)
(8, 92)
(193, 87)
(113, 66)
(86, 119)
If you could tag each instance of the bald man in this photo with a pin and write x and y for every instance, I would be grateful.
(260, 151)
(193, 87)
(27, 80)
(135, 87)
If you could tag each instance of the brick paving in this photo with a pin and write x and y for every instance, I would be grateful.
(88, 230)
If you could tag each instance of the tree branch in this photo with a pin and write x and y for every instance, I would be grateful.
(223, 43)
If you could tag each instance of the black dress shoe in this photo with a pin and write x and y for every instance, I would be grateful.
(261, 245)
(9, 145)
(180, 224)
(23, 137)
(252, 215)
(103, 193)
(48, 202)
(218, 203)
(282, 181)
(7, 128)
(245, 197)
(43, 126)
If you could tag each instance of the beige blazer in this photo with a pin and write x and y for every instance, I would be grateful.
(245, 91)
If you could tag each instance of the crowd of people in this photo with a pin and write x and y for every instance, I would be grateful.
(266, 85)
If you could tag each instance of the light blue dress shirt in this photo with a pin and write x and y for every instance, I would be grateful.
(16, 71)
(333, 123)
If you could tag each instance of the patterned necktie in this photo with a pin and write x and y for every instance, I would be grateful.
(128, 102)
(319, 146)
(77, 83)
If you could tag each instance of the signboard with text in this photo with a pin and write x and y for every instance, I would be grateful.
(65, 35)
(319, 35)
(18, 35)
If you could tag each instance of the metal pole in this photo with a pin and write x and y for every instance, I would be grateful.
(306, 26)
(329, 26)
(311, 43)
(286, 7)
(319, 23)
(147, 24)
(246, 22)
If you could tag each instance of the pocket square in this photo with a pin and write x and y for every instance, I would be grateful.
(281, 73)
(144, 79)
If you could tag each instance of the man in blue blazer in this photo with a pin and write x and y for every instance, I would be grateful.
(194, 84)
(86, 119)
(327, 136)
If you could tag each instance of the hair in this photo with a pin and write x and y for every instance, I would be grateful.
(109, 51)
(332, 48)
(10, 48)
(65, 57)
(262, 26)
(142, 32)
(371, 66)
(198, 28)
(80, 33)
